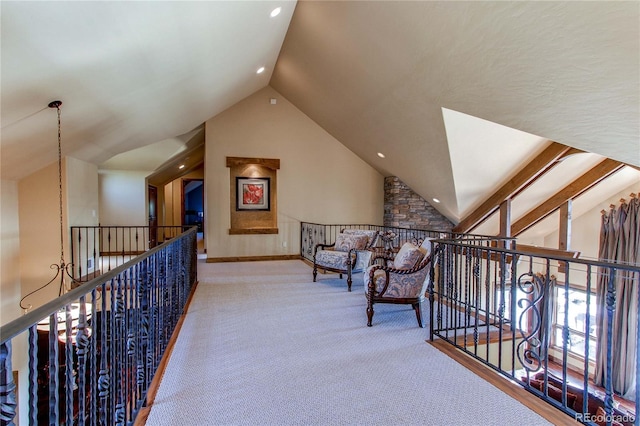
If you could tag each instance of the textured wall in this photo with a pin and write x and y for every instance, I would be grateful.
(406, 209)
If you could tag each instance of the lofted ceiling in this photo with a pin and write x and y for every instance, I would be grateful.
(129, 74)
(439, 87)
(377, 75)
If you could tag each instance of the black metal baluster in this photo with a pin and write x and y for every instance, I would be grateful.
(444, 269)
(7, 387)
(487, 308)
(54, 414)
(514, 301)
(33, 375)
(445, 303)
(103, 375)
(117, 370)
(130, 321)
(176, 298)
(79, 250)
(93, 360)
(463, 308)
(141, 333)
(153, 323)
(549, 324)
(122, 243)
(476, 312)
(611, 308)
(68, 367)
(99, 255)
(82, 343)
(501, 282)
(137, 250)
(163, 314)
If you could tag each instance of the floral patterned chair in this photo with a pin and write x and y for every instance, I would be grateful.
(351, 252)
(402, 280)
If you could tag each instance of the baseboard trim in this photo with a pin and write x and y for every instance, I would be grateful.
(514, 390)
(253, 258)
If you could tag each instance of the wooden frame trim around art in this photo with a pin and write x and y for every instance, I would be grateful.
(261, 215)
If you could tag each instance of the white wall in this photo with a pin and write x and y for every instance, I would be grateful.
(9, 252)
(319, 179)
(82, 210)
(82, 190)
(10, 281)
(39, 216)
(123, 197)
(39, 213)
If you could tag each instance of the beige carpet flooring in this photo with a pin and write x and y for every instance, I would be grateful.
(264, 345)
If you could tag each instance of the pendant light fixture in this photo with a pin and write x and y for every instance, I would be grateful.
(62, 268)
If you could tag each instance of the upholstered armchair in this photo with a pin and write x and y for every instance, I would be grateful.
(400, 280)
(351, 252)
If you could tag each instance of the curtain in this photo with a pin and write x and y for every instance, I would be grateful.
(619, 243)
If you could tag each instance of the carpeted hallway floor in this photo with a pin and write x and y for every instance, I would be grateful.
(264, 345)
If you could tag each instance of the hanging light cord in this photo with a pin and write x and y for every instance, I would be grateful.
(57, 106)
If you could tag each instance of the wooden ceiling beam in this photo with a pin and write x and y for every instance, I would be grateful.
(585, 182)
(529, 173)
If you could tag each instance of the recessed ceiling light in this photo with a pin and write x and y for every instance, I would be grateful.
(181, 166)
(260, 70)
(381, 155)
(435, 200)
(275, 12)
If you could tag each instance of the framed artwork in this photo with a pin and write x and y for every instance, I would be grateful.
(252, 193)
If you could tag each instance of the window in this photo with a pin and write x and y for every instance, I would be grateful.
(523, 301)
(571, 304)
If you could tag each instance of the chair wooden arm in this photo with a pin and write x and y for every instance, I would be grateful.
(323, 246)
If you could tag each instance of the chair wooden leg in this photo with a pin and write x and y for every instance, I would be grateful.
(369, 314)
(340, 276)
(416, 307)
(315, 272)
(349, 281)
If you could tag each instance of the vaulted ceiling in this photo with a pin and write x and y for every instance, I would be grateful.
(439, 87)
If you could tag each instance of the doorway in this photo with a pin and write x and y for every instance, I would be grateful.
(193, 203)
(153, 217)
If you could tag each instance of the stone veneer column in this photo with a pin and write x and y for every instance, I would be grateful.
(404, 208)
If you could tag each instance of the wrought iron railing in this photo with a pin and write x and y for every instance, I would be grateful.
(316, 233)
(98, 249)
(535, 319)
(88, 357)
